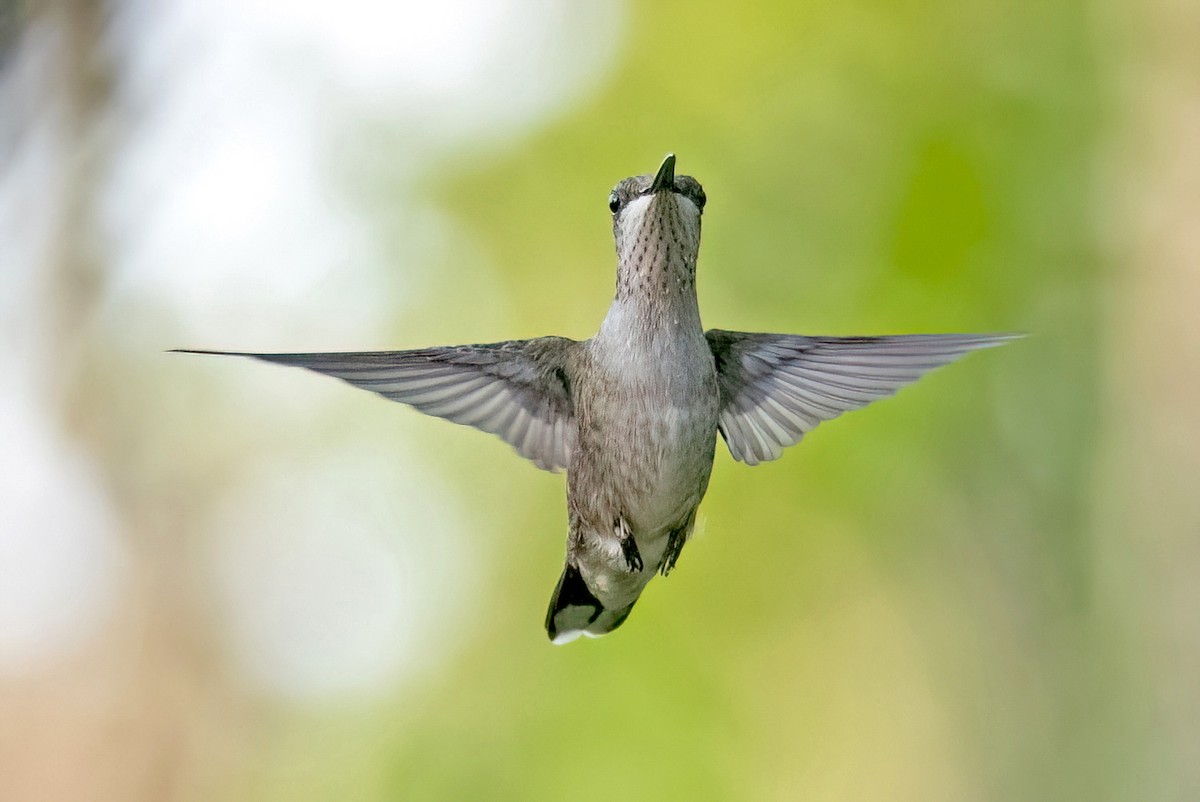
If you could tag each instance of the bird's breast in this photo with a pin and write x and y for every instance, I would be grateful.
(647, 432)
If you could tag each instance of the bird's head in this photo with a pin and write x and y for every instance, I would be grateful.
(656, 219)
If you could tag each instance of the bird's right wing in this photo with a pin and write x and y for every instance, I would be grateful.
(775, 388)
(519, 390)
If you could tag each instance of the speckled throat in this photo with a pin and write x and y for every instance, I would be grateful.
(658, 239)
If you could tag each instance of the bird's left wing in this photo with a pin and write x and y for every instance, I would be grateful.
(519, 390)
(775, 388)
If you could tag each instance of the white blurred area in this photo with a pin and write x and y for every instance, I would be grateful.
(234, 117)
(60, 557)
(172, 173)
(336, 594)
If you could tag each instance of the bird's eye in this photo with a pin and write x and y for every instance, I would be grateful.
(701, 200)
(614, 203)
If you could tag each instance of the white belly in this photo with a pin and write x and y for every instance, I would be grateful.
(678, 460)
(647, 431)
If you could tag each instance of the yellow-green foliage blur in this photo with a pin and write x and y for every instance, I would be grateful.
(983, 588)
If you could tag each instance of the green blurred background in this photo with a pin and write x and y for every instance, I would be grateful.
(984, 588)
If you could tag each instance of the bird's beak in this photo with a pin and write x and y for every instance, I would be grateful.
(664, 179)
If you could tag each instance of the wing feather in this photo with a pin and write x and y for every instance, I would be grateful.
(775, 388)
(519, 390)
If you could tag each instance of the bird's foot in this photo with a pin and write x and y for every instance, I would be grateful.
(633, 558)
(675, 543)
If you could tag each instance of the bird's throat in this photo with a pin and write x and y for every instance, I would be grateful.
(657, 247)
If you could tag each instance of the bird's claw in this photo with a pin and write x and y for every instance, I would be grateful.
(674, 546)
(633, 558)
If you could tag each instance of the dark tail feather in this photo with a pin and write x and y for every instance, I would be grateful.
(575, 610)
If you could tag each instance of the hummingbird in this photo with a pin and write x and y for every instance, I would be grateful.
(632, 414)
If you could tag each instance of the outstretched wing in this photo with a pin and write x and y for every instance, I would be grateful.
(775, 388)
(519, 390)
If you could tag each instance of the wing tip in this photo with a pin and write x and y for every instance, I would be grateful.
(205, 352)
(992, 340)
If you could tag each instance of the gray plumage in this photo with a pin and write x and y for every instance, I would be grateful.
(633, 414)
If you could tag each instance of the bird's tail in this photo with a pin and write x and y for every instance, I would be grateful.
(575, 610)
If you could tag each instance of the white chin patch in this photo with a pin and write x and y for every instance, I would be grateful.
(631, 218)
(635, 213)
